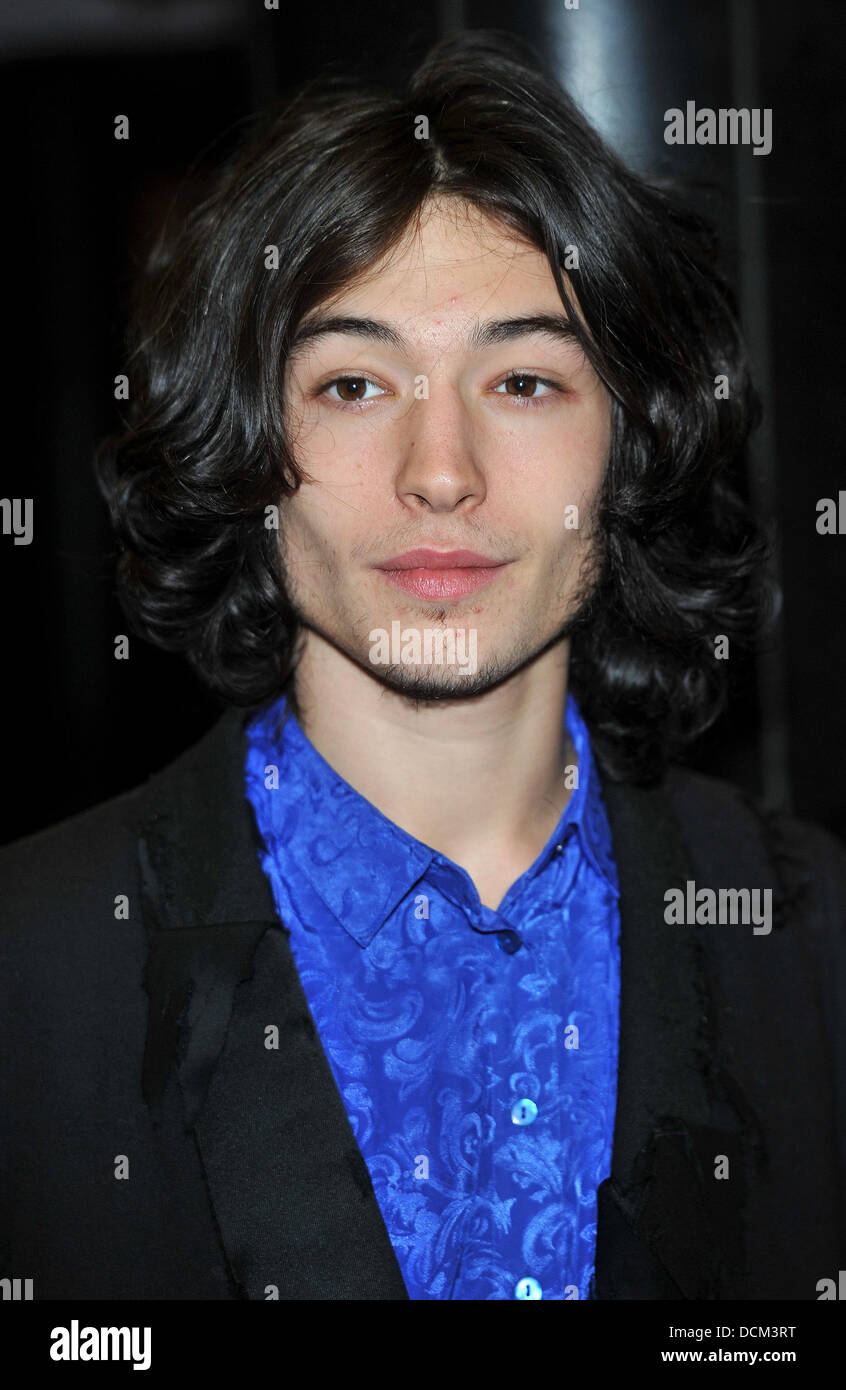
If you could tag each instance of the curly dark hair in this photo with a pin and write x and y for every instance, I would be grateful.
(333, 178)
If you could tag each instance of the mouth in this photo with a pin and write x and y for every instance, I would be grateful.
(435, 574)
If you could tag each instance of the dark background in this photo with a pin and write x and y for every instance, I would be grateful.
(80, 212)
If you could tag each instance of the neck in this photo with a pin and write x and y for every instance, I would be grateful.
(480, 779)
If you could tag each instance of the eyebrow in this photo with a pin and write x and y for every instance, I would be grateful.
(483, 335)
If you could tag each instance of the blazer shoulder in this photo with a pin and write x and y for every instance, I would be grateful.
(57, 868)
(737, 835)
(65, 853)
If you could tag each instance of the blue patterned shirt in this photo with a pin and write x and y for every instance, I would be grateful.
(475, 1050)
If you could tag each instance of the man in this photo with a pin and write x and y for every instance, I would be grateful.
(427, 973)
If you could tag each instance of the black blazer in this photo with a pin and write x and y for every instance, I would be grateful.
(142, 960)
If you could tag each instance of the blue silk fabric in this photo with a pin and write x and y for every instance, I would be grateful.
(441, 1019)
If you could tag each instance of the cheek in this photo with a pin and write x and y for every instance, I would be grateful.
(584, 457)
(308, 527)
(324, 523)
(349, 476)
(597, 425)
(562, 465)
(332, 441)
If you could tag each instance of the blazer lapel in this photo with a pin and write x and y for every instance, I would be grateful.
(667, 1227)
(291, 1194)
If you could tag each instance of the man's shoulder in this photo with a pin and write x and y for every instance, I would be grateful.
(715, 808)
(55, 875)
(62, 864)
(738, 837)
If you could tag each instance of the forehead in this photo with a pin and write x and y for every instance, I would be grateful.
(453, 260)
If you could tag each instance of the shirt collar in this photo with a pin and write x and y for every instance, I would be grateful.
(357, 861)
(360, 864)
(585, 813)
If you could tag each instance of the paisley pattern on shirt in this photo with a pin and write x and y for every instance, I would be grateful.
(434, 1031)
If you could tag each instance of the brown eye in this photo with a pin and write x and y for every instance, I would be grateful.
(351, 388)
(524, 388)
(523, 384)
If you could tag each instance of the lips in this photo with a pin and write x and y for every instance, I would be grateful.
(441, 574)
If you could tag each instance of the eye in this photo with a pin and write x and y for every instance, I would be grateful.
(525, 388)
(352, 389)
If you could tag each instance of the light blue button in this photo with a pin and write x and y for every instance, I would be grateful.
(523, 1112)
(528, 1288)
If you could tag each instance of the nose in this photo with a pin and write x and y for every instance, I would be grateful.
(439, 470)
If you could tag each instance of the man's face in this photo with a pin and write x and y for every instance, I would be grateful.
(431, 440)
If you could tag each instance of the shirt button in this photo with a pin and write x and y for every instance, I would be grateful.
(508, 941)
(523, 1112)
(528, 1288)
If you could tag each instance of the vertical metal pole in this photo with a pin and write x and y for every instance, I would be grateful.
(451, 18)
(774, 750)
